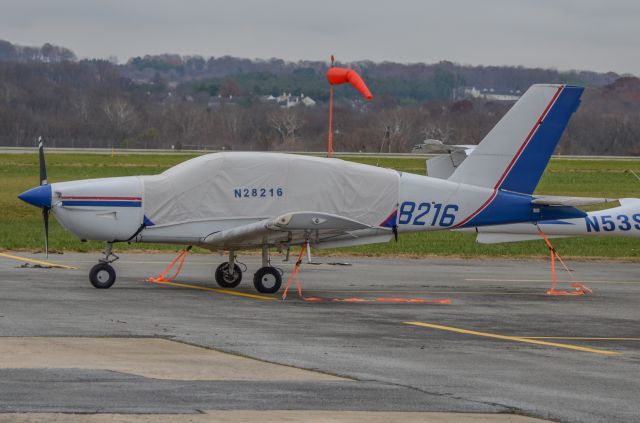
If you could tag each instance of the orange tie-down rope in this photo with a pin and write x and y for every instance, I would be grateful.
(579, 289)
(295, 274)
(162, 276)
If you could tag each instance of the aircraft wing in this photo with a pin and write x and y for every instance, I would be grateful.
(321, 229)
(557, 201)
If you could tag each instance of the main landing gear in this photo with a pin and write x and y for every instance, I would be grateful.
(227, 278)
(267, 279)
(102, 275)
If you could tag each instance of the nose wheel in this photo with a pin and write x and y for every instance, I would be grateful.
(102, 275)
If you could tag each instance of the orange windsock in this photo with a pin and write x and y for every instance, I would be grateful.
(342, 75)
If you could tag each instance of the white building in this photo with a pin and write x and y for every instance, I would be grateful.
(490, 94)
(287, 100)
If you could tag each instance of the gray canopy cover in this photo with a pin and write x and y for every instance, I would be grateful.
(265, 185)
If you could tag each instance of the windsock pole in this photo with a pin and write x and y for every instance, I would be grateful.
(341, 76)
(330, 144)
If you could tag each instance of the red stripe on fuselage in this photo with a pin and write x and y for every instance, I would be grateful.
(514, 159)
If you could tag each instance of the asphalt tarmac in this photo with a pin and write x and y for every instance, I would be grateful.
(364, 341)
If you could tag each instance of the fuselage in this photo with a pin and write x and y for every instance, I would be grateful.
(223, 190)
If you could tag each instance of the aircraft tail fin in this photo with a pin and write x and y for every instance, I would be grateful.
(516, 151)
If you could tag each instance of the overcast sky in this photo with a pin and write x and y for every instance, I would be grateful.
(600, 35)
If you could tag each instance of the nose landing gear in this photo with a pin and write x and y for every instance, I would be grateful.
(102, 275)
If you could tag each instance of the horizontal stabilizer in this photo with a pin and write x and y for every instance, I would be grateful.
(443, 166)
(497, 238)
(557, 201)
(438, 147)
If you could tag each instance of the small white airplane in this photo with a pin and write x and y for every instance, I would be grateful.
(232, 201)
(623, 220)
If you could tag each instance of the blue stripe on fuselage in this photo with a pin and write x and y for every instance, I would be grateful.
(98, 203)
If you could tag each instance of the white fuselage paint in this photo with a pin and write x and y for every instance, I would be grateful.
(438, 203)
(90, 209)
(97, 215)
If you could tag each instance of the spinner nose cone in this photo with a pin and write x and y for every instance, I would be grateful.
(38, 196)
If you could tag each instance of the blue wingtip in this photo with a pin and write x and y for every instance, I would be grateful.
(38, 196)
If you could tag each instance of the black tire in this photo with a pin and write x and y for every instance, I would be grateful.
(226, 280)
(102, 276)
(267, 280)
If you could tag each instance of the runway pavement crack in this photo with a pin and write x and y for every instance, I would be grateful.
(508, 408)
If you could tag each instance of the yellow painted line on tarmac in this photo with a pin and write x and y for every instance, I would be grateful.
(546, 280)
(582, 338)
(513, 338)
(218, 290)
(30, 260)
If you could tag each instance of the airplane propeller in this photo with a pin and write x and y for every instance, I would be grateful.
(45, 216)
(40, 196)
(43, 181)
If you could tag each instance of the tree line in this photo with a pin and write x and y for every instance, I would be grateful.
(191, 102)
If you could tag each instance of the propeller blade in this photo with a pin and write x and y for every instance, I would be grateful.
(43, 166)
(45, 216)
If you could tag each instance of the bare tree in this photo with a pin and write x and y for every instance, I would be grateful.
(396, 129)
(186, 121)
(121, 116)
(286, 122)
(437, 131)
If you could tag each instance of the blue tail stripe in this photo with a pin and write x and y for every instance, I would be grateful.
(528, 168)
